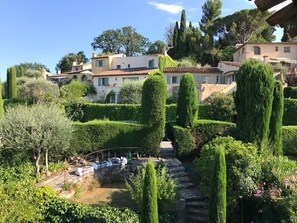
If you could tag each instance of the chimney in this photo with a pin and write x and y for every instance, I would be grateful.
(94, 54)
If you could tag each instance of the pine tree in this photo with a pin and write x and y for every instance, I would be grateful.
(182, 34)
(276, 120)
(187, 103)
(149, 211)
(1, 102)
(253, 100)
(153, 108)
(218, 201)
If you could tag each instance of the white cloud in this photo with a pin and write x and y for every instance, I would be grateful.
(280, 6)
(170, 8)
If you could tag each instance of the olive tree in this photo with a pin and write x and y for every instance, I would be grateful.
(130, 92)
(33, 133)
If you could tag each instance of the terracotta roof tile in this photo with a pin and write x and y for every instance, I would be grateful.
(231, 63)
(192, 70)
(125, 72)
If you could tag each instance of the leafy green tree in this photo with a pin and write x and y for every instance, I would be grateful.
(130, 92)
(29, 66)
(125, 40)
(66, 62)
(187, 102)
(30, 73)
(182, 33)
(153, 108)
(149, 211)
(1, 102)
(286, 36)
(253, 101)
(217, 201)
(38, 91)
(75, 90)
(156, 47)
(30, 133)
(276, 119)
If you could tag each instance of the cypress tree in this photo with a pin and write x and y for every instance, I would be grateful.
(217, 200)
(175, 38)
(149, 211)
(13, 84)
(153, 108)
(22, 72)
(8, 80)
(187, 102)
(286, 36)
(1, 102)
(182, 34)
(276, 119)
(253, 101)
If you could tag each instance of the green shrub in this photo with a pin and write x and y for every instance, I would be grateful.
(188, 141)
(222, 107)
(253, 100)
(153, 108)
(290, 92)
(204, 112)
(96, 135)
(290, 112)
(171, 113)
(243, 169)
(289, 136)
(217, 200)
(149, 211)
(165, 61)
(187, 102)
(276, 119)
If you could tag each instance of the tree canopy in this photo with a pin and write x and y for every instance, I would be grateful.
(66, 62)
(22, 68)
(124, 40)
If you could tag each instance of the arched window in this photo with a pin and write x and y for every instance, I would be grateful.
(84, 78)
(257, 50)
(75, 77)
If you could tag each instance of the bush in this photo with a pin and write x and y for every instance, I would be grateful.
(290, 92)
(290, 112)
(222, 107)
(242, 165)
(204, 112)
(153, 108)
(95, 135)
(290, 140)
(188, 141)
(130, 92)
(187, 102)
(149, 211)
(253, 99)
(217, 200)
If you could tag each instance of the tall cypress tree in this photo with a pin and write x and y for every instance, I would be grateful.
(182, 35)
(149, 211)
(153, 109)
(276, 119)
(175, 39)
(1, 102)
(218, 200)
(187, 102)
(253, 100)
(8, 80)
(22, 72)
(286, 36)
(13, 84)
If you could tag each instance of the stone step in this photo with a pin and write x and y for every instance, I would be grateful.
(198, 211)
(185, 185)
(171, 165)
(183, 179)
(197, 219)
(175, 175)
(176, 169)
(197, 204)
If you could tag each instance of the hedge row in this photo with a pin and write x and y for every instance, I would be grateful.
(290, 112)
(85, 112)
(290, 92)
(188, 141)
(290, 140)
(95, 135)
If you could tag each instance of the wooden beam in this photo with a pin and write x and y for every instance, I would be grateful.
(264, 5)
(282, 16)
(295, 2)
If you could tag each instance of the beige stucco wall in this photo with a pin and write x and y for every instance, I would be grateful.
(267, 50)
(138, 61)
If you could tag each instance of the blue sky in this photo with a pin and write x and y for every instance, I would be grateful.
(43, 31)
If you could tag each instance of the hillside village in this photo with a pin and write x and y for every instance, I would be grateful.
(200, 129)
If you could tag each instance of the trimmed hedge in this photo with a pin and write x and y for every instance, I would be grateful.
(290, 92)
(188, 141)
(95, 135)
(290, 140)
(290, 112)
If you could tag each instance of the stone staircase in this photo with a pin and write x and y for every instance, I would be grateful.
(196, 204)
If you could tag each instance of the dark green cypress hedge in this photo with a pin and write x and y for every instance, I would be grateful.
(289, 139)
(218, 199)
(276, 119)
(12, 85)
(290, 112)
(149, 211)
(22, 72)
(253, 100)
(153, 108)
(8, 80)
(187, 103)
(290, 92)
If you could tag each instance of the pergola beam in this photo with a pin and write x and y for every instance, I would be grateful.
(282, 16)
(264, 5)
